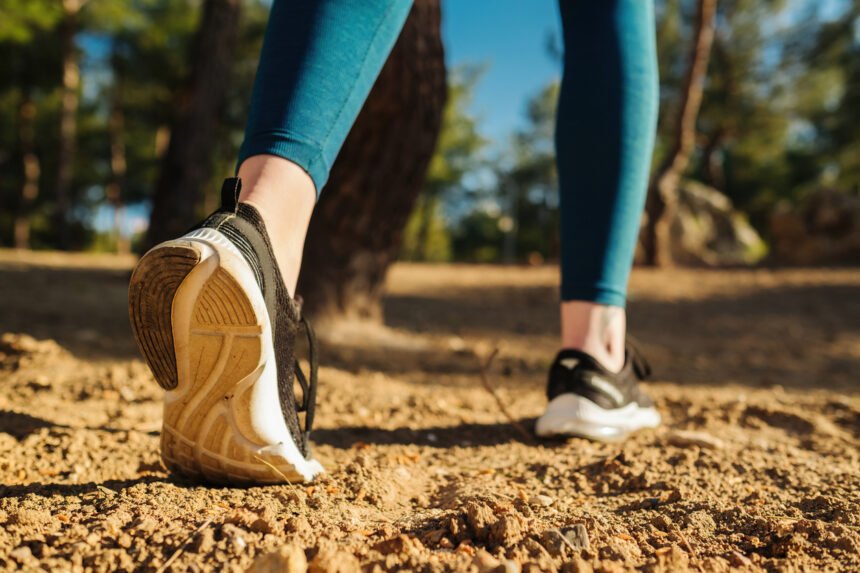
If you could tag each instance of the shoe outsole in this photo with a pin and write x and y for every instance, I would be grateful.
(207, 340)
(570, 415)
(154, 282)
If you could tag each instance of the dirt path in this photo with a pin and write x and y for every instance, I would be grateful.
(758, 376)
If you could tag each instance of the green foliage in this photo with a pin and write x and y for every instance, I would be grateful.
(22, 21)
(457, 154)
(436, 245)
(529, 186)
(781, 115)
(133, 58)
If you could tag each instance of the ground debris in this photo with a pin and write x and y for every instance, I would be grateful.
(689, 438)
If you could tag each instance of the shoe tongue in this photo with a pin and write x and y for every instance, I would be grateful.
(230, 194)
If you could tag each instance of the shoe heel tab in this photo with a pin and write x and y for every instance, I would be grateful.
(230, 190)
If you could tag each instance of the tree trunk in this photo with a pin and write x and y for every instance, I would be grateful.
(118, 166)
(69, 101)
(186, 167)
(357, 227)
(31, 169)
(663, 191)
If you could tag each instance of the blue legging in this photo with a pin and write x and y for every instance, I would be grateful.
(321, 57)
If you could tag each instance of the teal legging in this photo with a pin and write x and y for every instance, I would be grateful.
(321, 57)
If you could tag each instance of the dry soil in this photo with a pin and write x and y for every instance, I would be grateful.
(757, 467)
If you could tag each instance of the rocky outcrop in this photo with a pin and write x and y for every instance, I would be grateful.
(708, 230)
(824, 228)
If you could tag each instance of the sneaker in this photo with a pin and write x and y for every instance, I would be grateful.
(589, 401)
(214, 321)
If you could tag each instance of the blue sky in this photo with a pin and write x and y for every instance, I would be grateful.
(510, 37)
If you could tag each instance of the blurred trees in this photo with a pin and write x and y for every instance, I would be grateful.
(188, 164)
(91, 92)
(72, 156)
(663, 190)
(779, 115)
(458, 153)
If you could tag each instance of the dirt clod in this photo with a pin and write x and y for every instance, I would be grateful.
(285, 559)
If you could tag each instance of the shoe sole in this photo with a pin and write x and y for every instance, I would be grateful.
(201, 323)
(570, 415)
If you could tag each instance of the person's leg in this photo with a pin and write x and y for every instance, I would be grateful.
(212, 311)
(604, 139)
(605, 129)
(319, 61)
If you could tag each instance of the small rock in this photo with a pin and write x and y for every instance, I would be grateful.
(402, 544)
(145, 525)
(330, 560)
(507, 530)
(543, 500)
(577, 536)
(285, 559)
(485, 562)
(21, 554)
(554, 542)
(479, 516)
(234, 536)
(687, 439)
(299, 526)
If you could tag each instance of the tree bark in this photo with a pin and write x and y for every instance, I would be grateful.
(31, 168)
(356, 230)
(663, 191)
(187, 166)
(69, 102)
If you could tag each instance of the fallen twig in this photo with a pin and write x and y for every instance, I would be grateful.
(274, 469)
(485, 381)
(686, 543)
(182, 547)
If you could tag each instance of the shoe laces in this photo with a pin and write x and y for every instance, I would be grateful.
(309, 387)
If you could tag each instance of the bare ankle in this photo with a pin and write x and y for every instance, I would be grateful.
(285, 196)
(596, 329)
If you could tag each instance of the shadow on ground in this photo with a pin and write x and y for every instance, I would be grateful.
(794, 335)
(461, 435)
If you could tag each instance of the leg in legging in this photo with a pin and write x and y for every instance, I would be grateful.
(604, 139)
(318, 63)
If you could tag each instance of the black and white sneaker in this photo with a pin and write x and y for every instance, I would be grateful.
(216, 324)
(589, 401)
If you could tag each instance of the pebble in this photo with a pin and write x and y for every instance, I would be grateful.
(687, 438)
(485, 562)
(577, 536)
(543, 500)
(285, 559)
(21, 554)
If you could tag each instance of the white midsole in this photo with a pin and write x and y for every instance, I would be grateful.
(573, 415)
(265, 415)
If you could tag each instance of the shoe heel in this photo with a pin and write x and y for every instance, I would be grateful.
(205, 338)
(153, 285)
